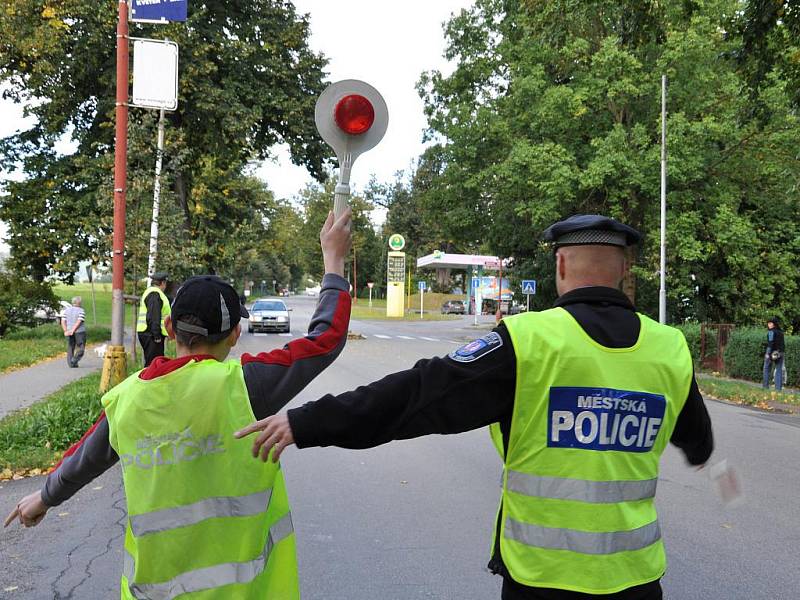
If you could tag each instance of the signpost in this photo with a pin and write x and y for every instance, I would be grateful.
(529, 289)
(370, 285)
(397, 242)
(422, 287)
(395, 278)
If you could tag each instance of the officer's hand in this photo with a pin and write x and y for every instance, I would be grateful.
(275, 432)
(335, 239)
(30, 511)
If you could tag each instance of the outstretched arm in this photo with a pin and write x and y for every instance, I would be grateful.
(274, 378)
(440, 395)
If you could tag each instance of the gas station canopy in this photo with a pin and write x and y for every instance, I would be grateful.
(442, 260)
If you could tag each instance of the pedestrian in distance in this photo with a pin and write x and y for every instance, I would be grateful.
(774, 354)
(73, 323)
(581, 401)
(153, 310)
(202, 520)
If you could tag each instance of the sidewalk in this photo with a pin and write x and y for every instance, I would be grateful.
(21, 388)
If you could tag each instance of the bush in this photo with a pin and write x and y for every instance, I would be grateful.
(20, 297)
(35, 437)
(744, 355)
(94, 333)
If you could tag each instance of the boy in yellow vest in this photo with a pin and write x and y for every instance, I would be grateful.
(202, 522)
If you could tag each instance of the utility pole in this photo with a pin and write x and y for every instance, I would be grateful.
(115, 363)
(662, 292)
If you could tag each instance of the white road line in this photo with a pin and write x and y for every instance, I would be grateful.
(261, 334)
(285, 334)
(451, 342)
(383, 337)
(406, 337)
(427, 339)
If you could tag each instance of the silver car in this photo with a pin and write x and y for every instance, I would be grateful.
(268, 314)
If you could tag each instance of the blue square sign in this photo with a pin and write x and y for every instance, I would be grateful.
(529, 286)
(422, 286)
(159, 11)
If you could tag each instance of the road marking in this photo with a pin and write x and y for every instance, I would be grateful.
(261, 334)
(285, 334)
(428, 339)
(383, 337)
(406, 337)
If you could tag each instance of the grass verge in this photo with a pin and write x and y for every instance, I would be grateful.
(744, 393)
(36, 437)
(28, 346)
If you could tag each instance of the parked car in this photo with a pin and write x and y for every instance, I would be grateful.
(47, 314)
(268, 314)
(313, 291)
(453, 307)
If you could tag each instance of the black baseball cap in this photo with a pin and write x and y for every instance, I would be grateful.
(212, 300)
(583, 230)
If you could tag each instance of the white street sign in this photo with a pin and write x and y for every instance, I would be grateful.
(155, 74)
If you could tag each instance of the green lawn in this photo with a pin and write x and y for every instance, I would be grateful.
(102, 301)
(28, 346)
(36, 437)
(742, 392)
(432, 309)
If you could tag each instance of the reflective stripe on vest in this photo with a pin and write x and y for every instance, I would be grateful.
(585, 542)
(209, 508)
(582, 490)
(209, 577)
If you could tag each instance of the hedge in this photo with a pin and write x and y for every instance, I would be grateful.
(744, 355)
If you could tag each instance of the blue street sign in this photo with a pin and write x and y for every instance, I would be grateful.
(422, 286)
(529, 286)
(476, 283)
(158, 11)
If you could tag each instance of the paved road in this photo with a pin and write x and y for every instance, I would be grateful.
(413, 519)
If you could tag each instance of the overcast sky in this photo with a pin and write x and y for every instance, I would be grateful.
(387, 44)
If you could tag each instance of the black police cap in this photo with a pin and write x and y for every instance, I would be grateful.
(210, 299)
(582, 230)
(160, 276)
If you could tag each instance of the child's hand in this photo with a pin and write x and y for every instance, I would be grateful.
(30, 511)
(335, 239)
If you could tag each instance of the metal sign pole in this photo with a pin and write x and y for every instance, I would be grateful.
(115, 362)
(662, 292)
(151, 262)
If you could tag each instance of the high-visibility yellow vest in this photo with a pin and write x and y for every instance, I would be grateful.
(205, 519)
(588, 429)
(141, 324)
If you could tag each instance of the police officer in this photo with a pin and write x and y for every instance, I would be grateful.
(153, 310)
(582, 400)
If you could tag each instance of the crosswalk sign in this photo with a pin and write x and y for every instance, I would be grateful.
(529, 286)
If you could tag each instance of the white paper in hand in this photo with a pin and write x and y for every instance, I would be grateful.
(726, 482)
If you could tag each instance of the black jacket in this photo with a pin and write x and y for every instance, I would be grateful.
(777, 342)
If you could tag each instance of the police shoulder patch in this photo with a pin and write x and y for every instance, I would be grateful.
(477, 349)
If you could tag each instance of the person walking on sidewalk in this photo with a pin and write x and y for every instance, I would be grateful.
(153, 310)
(202, 519)
(72, 322)
(773, 355)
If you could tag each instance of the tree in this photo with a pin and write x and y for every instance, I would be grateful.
(248, 81)
(546, 117)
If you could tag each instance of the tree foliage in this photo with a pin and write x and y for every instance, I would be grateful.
(546, 116)
(248, 81)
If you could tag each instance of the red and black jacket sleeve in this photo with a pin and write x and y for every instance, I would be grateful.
(274, 378)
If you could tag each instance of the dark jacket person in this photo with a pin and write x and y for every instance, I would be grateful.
(582, 399)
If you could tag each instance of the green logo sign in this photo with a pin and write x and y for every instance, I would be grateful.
(397, 242)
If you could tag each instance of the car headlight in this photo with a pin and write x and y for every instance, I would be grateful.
(254, 319)
(282, 319)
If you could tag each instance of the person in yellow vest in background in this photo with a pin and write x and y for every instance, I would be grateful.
(582, 400)
(204, 520)
(153, 311)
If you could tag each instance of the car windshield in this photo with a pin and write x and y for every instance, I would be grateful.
(269, 306)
